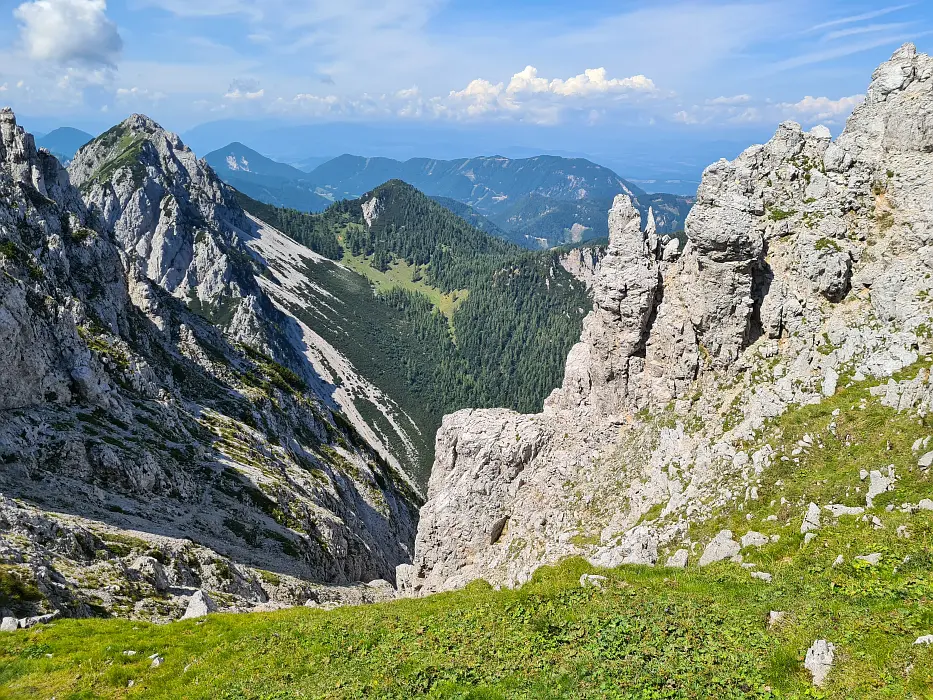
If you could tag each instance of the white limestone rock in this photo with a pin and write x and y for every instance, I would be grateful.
(720, 548)
(819, 661)
(811, 520)
(754, 539)
(199, 605)
(9, 624)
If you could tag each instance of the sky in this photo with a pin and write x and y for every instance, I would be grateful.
(683, 74)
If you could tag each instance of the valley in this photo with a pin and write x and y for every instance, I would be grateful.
(487, 427)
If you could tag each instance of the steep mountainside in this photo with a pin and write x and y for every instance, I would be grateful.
(64, 142)
(477, 220)
(160, 429)
(806, 279)
(458, 317)
(265, 179)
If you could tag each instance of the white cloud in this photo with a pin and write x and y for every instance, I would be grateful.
(237, 94)
(539, 99)
(3, 88)
(137, 94)
(244, 89)
(734, 100)
(527, 97)
(822, 108)
(68, 31)
(860, 18)
(685, 117)
(742, 110)
(868, 29)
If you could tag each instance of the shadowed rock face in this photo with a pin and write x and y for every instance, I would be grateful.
(151, 452)
(805, 256)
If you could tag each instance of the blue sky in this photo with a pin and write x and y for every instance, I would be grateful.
(693, 70)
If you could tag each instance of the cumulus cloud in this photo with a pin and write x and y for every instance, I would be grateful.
(244, 89)
(540, 99)
(822, 108)
(526, 96)
(741, 109)
(67, 31)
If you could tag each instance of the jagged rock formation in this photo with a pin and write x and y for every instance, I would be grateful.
(145, 452)
(809, 262)
(583, 263)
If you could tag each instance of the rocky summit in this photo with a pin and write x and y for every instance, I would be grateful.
(162, 431)
(808, 268)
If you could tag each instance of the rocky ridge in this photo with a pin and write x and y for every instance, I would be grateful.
(161, 431)
(808, 268)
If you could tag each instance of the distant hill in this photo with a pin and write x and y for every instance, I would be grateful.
(477, 220)
(538, 202)
(64, 142)
(265, 179)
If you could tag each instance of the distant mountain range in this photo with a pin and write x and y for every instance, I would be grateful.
(265, 179)
(63, 143)
(538, 202)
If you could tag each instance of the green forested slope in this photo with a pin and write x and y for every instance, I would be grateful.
(458, 319)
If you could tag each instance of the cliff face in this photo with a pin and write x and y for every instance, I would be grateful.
(146, 452)
(809, 263)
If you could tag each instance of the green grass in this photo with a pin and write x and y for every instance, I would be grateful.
(650, 633)
(402, 275)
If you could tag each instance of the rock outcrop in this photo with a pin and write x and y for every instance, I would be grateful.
(807, 259)
(160, 429)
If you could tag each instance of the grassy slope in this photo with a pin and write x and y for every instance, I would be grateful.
(401, 275)
(651, 633)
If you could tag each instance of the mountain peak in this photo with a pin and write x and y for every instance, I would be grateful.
(140, 123)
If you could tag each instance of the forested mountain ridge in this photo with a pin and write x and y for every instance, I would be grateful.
(538, 202)
(541, 201)
(458, 317)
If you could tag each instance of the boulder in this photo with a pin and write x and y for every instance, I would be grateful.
(678, 560)
(879, 484)
(592, 581)
(754, 539)
(811, 520)
(873, 559)
(199, 605)
(151, 571)
(28, 622)
(838, 510)
(819, 660)
(722, 547)
(9, 624)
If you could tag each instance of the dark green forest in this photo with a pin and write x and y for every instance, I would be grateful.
(506, 343)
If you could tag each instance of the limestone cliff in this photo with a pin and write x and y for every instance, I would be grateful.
(146, 452)
(809, 263)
